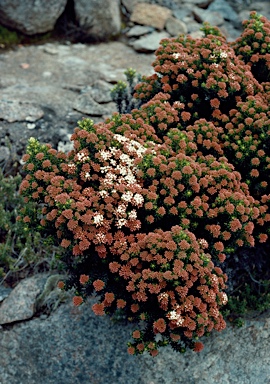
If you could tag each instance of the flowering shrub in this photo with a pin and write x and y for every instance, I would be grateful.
(150, 204)
(204, 76)
(253, 46)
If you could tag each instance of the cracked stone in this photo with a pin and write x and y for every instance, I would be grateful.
(13, 110)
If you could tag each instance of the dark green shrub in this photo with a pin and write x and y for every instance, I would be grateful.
(21, 249)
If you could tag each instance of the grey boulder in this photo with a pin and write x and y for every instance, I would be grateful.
(31, 17)
(100, 19)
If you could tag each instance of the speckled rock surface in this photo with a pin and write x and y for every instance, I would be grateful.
(46, 89)
(73, 346)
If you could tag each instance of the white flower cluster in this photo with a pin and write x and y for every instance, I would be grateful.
(100, 236)
(72, 166)
(224, 298)
(223, 54)
(120, 171)
(163, 296)
(110, 177)
(98, 219)
(127, 196)
(132, 146)
(132, 215)
(178, 104)
(105, 154)
(214, 280)
(203, 243)
(176, 55)
(103, 193)
(121, 210)
(138, 198)
(121, 222)
(176, 317)
(82, 157)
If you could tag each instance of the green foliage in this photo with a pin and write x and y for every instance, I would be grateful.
(122, 92)
(8, 38)
(247, 299)
(19, 247)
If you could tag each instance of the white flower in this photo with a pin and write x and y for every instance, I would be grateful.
(214, 279)
(127, 196)
(176, 55)
(122, 170)
(223, 54)
(174, 316)
(121, 210)
(130, 179)
(103, 193)
(113, 162)
(138, 199)
(120, 138)
(98, 218)
(121, 222)
(109, 179)
(82, 157)
(136, 147)
(203, 243)
(105, 154)
(132, 215)
(163, 296)
(125, 158)
(72, 166)
(87, 175)
(113, 150)
(100, 237)
(105, 169)
(224, 298)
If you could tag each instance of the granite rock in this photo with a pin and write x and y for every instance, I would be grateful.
(31, 17)
(88, 106)
(130, 4)
(175, 27)
(13, 110)
(72, 345)
(19, 305)
(226, 11)
(150, 42)
(150, 14)
(139, 30)
(100, 19)
(204, 15)
(100, 91)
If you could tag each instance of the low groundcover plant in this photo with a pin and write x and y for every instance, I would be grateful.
(150, 204)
